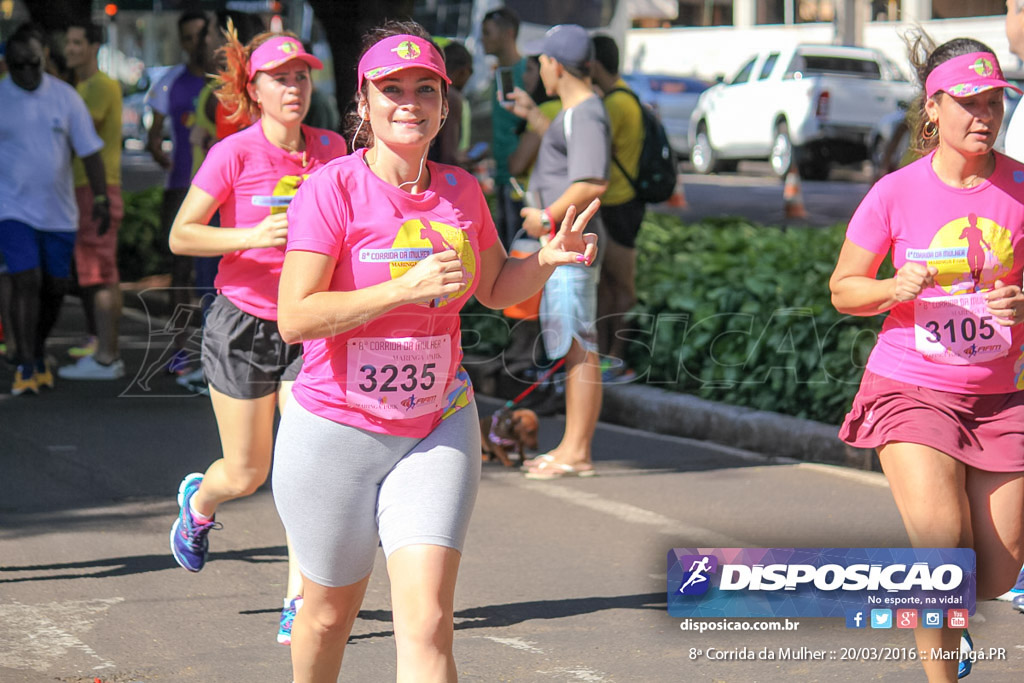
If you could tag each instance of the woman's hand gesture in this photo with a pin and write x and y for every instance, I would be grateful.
(1006, 303)
(571, 245)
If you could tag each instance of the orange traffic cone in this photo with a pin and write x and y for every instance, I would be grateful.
(678, 198)
(793, 197)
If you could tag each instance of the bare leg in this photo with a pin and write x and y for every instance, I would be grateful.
(930, 491)
(24, 322)
(106, 304)
(321, 629)
(997, 521)
(422, 599)
(246, 429)
(582, 406)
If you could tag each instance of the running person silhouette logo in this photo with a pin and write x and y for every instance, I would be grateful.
(434, 237)
(407, 50)
(699, 569)
(976, 249)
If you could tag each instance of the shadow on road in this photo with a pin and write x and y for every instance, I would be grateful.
(134, 564)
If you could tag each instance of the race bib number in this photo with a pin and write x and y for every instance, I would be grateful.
(398, 378)
(958, 330)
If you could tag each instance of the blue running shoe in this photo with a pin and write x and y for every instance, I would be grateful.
(284, 630)
(188, 538)
(963, 670)
(1018, 602)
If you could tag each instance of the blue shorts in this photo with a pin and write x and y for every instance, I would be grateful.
(568, 309)
(25, 248)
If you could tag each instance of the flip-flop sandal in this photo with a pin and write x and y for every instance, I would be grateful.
(556, 470)
(536, 462)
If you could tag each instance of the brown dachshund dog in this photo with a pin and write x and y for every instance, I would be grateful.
(506, 432)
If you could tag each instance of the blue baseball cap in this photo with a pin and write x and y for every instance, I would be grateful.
(568, 44)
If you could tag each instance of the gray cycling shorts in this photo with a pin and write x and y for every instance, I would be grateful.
(340, 490)
(244, 356)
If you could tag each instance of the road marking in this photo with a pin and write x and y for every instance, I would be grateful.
(579, 673)
(516, 644)
(634, 515)
(38, 636)
(862, 476)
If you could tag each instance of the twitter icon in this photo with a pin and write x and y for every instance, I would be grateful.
(881, 618)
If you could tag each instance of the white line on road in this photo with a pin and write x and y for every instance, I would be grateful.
(38, 636)
(634, 515)
(516, 644)
(579, 673)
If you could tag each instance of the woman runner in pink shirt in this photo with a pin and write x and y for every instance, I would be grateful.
(941, 398)
(381, 443)
(250, 177)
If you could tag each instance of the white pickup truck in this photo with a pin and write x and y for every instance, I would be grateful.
(808, 106)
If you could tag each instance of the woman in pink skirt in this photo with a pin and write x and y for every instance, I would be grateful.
(941, 398)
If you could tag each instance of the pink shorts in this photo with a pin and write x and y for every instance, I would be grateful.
(96, 255)
(985, 431)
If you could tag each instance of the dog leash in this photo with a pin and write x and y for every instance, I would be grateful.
(543, 378)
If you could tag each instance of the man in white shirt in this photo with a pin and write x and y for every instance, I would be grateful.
(42, 120)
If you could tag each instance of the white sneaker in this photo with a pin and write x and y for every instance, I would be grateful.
(89, 368)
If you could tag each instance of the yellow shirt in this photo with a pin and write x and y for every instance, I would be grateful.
(627, 140)
(102, 96)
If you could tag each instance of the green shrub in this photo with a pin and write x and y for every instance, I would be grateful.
(736, 313)
(742, 314)
(141, 247)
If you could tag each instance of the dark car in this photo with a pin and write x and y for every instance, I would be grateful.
(673, 99)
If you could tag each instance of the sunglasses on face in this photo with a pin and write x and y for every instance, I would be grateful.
(31, 64)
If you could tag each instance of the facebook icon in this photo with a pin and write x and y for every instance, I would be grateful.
(855, 618)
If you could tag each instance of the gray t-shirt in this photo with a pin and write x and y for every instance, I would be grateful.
(576, 146)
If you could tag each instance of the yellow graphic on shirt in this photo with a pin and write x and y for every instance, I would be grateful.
(287, 186)
(971, 253)
(422, 234)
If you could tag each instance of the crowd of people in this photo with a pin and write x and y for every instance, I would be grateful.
(333, 272)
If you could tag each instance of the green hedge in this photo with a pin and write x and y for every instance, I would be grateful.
(742, 314)
(737, 313)
(141, 246)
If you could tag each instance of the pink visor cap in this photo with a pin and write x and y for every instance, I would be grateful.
(967, 75)
(277, 51)
(400, 52)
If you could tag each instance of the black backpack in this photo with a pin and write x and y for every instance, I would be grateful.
(656, 174)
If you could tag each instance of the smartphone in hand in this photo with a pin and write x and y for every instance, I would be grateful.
(506, 83)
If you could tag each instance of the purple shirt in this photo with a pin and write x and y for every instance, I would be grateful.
(175, 97)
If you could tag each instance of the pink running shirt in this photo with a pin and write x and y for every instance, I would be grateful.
(974, 237)
(251, 178)
(400, 373)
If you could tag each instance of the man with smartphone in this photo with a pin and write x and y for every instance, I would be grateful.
(499, 32)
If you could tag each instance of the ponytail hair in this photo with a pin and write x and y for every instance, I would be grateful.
(233, 81)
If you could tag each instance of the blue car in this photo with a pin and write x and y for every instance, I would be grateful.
(673, 99)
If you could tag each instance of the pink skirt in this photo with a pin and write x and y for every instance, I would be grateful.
(985, 431)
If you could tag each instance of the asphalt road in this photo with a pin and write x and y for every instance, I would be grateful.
(562, 581)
